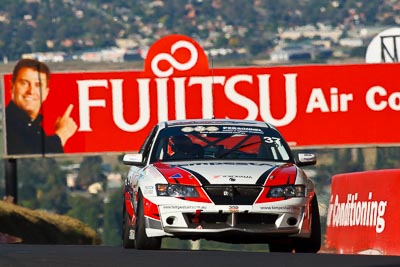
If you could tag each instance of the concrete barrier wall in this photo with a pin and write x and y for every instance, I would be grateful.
(364, 213)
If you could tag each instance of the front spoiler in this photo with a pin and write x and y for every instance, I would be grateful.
(184, 225)
(289, 218)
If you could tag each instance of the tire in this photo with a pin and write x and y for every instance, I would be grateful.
(313, 243)
(141, 239)
(126, 227)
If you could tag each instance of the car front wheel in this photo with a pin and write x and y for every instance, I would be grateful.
(126, 231)
(141, 239)
(313, 243)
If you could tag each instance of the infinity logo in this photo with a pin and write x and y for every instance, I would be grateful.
(174, 63)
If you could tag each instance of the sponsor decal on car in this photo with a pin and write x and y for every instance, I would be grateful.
(234, 129)
(234, 177)
(176, 176)
(182, 207)
(225, 163)
(234, 209)
(148, 189)
(281, 208)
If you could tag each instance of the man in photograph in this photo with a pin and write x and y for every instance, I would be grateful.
(24, 131)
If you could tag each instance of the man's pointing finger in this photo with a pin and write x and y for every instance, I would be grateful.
(68, 111)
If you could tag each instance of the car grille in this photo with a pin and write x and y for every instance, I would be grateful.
(233, 194)
(222, 220)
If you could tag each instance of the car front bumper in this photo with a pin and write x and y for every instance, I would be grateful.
(289, 218)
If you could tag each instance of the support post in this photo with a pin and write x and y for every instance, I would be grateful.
(10, 166)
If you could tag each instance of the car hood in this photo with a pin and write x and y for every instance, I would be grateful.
(228, 172)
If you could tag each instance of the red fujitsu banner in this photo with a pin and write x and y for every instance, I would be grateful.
(363, 213)
(313, 105)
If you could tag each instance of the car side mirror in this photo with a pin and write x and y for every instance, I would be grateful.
(135, 159)
(306, 159)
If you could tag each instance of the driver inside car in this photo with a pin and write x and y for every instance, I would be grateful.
(181, 147)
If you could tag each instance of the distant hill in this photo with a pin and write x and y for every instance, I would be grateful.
(75, 25)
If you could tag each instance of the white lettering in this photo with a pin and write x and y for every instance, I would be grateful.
(144, 106)
(368, 213)
(180, 85)
(338, 102)
(317, 101)
(291, 100)
(85, 103)
(393, 101)
(230, 91)
(370, 98)
(180, 100)
(207, 92)
(162, 99)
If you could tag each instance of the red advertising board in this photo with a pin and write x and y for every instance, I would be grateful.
(363, 213)
(312, 105)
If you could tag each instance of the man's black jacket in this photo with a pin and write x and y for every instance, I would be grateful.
(25, 136)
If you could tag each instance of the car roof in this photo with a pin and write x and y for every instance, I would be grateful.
(235, 122)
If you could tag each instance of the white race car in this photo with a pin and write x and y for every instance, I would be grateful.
(233, 181)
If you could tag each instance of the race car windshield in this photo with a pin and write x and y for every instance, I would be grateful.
(220, 142)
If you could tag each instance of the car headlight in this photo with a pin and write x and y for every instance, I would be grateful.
(176, 190)
(287, 191)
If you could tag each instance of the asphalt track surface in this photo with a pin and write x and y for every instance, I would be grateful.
(16, 255)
